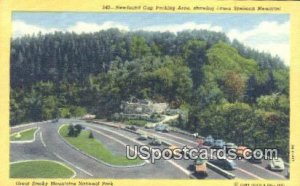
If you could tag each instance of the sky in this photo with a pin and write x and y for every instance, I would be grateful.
(264, 32)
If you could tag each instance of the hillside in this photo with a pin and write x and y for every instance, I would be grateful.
(228, 90)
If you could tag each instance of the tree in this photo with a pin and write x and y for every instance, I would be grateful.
(78, 128)
(194, 55)
(71, 132)
(226, 85)
(138, 47)
(234, 86)
(91, 135)
(252, 89)
(49, 107)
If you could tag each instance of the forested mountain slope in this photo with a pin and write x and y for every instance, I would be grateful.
(228, 89)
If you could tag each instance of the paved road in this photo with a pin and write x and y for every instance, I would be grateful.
(183, 164)
(245, 170)
(50, 145)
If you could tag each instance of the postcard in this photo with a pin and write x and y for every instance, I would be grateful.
(104, 93)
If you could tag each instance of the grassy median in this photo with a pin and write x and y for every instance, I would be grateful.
(24, 135)
(94, 148)
(40, 169)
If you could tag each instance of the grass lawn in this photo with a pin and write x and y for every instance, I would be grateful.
(94, 148)
(23, 135)
(40, 169)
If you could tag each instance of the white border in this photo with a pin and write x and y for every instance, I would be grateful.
(60, 163)
(25, 141)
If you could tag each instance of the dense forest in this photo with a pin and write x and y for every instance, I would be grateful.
(227, 89)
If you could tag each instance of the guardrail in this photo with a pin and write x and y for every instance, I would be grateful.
(191, 135)
(210, 165)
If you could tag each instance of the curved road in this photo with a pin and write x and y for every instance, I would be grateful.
(50, 145)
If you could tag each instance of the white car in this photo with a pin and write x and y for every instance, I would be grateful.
(276, 164)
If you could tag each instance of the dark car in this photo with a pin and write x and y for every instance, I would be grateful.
(209, 141)
(224, 163)
(155, 142)
(218, 144)
(132, 127)
(230, 146)
(142, 137)
(255, 160)
(55, 120)
(162, 128)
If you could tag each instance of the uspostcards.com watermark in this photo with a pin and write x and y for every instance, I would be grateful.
(152, 154)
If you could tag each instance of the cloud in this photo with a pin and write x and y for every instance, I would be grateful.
(83, 27)
(174, 28)
(271, 37)
(21, 28)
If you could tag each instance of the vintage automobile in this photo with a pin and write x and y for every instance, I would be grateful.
(161, 128)
(132, 127)
(55, 120)
(155, 142)
(142, 137)
(218, 144)
(230, 146)
(227, 164)
(276, 164)
(200, 166)
(209, 141)
(150, 125)
(241, 150)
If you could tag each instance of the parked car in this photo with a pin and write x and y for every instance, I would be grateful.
(276, 164)
(166, 129)
(161, 128)
(218, 144)
(255, 160)
(55, 120)
(150, 125)
(230, 146)
(132, 127)
(155, 142)
(240, 150)
(143, 137)
(224, 163)
(209, 141)
(200, 166)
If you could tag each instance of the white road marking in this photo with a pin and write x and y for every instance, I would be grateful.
(86, 172)
(182, 139)
(249, 173)
(119, 141)
(24, 161)
(42, 140)
(240, 169)
(179, 167)
(262, 168)
(26, 141)
(167, 139)
(59, 157)
(170, 161)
